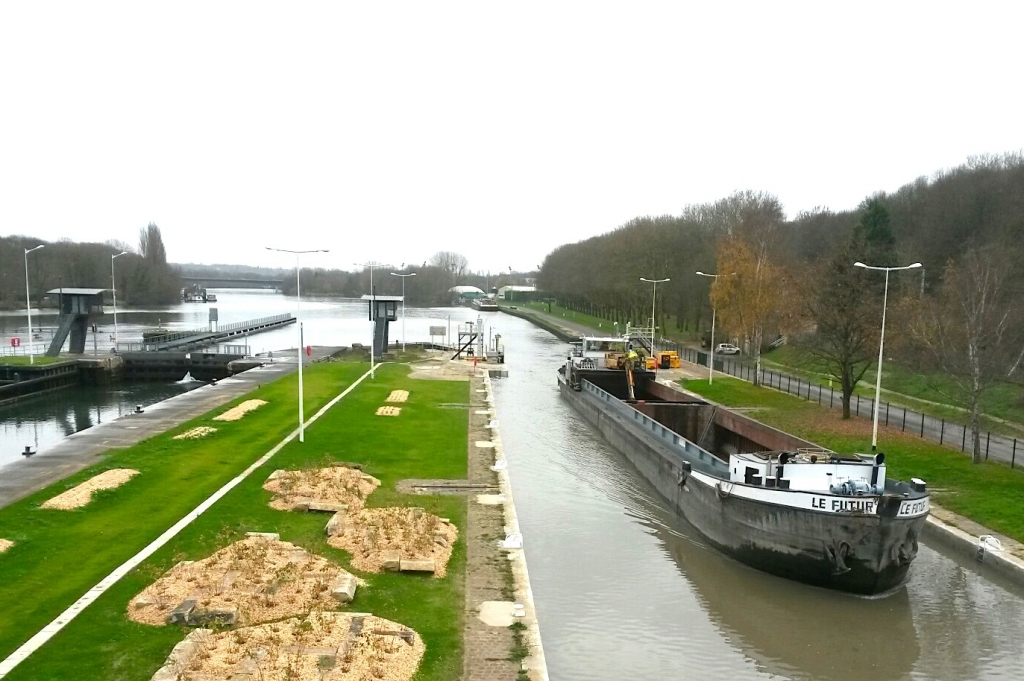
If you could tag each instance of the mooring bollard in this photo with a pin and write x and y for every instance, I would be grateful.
(28, 451)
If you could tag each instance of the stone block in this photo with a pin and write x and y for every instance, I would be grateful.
(336, 525)
(266, 535)
(181, 613)
(411, 565)
(165, 673)
(224, 617)
(300, 505)
(344, 589)
(391, 560)
(441, 540)
(327, 506)
(275, 475)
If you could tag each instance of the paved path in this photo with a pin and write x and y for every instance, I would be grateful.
(87, 447)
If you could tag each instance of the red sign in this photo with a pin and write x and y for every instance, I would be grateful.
(309, 350)
(15, 342)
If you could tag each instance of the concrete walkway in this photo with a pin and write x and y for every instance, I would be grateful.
(85, 448)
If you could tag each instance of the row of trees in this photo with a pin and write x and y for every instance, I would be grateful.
(959, 314)
(144, 276)
(431, 286)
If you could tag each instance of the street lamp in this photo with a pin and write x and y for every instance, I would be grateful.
(373, 310)
(711, 348)
(654, 298)
(511, 286)
(298, 323)
(28, 304)
(881, 341)
(403, 276)
(113, 288)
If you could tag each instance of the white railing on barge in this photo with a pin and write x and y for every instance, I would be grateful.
(678, 444)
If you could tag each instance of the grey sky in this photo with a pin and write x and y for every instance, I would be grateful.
(389, 131)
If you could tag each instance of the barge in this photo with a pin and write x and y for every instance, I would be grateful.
(761, 496)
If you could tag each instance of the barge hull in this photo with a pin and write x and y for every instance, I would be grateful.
(863, 554)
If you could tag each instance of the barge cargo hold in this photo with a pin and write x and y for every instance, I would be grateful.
(768, 499)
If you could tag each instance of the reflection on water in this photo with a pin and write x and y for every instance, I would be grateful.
(625, 590)
(45, 420)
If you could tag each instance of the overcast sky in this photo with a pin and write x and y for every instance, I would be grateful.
(389, 131)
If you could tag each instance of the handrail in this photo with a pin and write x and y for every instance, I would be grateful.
(227, 328)
(673, 440)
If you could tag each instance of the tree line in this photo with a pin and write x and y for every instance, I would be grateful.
(431, 285)
(959, 313)
(143, 274)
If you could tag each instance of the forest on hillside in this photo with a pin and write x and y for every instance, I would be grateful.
(933, 220)
(941, 255)
(143, 275)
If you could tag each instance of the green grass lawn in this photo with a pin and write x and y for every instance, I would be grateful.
(60, 554)
(988, 493)
(915, 390)
(38, 360)
(606, 326)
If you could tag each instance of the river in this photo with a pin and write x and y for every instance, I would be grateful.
(624, 589)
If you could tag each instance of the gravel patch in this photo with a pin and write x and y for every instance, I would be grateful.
(240, 410)
(336, 484)
(375, 536)
(326, 646)
(259, 578)
(79, 496)
(195, 433)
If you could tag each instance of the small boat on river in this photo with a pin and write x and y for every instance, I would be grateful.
(770, 500)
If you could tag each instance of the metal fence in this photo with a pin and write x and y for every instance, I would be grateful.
(949, 433)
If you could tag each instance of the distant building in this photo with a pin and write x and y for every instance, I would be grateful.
(504, 291)
(465, 293)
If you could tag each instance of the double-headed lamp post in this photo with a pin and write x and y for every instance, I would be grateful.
(298, 323)
(113, 289)
(711, 348)
(403, 276)
(28, 304)
(654, 299)
(881, 341)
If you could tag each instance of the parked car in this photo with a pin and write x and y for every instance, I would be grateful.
(726, 349)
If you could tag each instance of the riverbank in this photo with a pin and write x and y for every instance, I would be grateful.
(86, 448)
(970, 501)
(974, 500)
(425, 441)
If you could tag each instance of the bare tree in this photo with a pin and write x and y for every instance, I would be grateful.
(151, 245)
(843, 314)
(841, 301)
(973, 331)
(454, 264)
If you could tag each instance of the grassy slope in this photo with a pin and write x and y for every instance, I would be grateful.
(38, 360)
(61, 554)
(918, 391)
(988, 493)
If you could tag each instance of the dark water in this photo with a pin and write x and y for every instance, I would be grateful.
(625, 590)
(45, 420)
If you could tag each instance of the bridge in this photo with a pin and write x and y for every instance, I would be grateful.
(233, 282)
(201, 338)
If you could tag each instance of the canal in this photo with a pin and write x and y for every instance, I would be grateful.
(624, 589)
